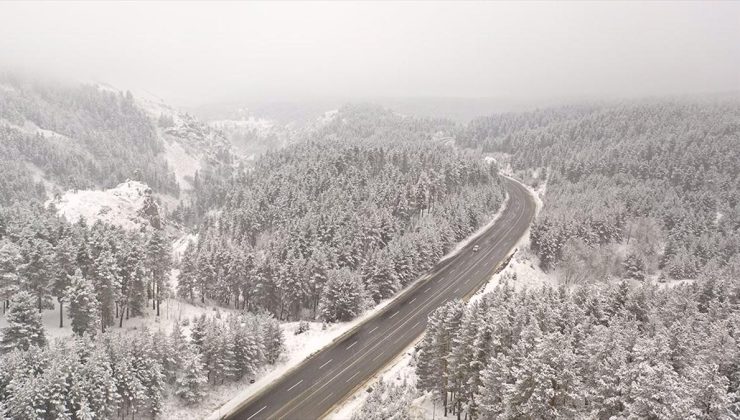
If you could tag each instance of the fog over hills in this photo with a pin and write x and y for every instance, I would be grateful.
(369, 210)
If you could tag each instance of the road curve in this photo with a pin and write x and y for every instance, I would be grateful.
(311, 389)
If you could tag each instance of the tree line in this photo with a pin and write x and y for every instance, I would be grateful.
(357, 212)
(640, 188)
(113, 374)
(102, 272)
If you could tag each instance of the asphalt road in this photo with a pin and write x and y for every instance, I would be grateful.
(311, 389)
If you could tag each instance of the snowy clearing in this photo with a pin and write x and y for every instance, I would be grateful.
(118, 206)
(182, 163)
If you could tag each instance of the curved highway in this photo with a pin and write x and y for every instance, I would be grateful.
(314, 387)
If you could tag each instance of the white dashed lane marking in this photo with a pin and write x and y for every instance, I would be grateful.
(297, 383)
(259, 411)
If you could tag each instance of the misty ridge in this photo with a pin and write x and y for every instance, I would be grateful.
(369, 210)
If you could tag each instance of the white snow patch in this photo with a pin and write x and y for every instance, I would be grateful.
(425, 407)
(105, 87)
(522, 272)
(182, 163)
(538, 194)
(118, 206)
(181, 244)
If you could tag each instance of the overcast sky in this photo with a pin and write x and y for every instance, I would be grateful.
(195, 53)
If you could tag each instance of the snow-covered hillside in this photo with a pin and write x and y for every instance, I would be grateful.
(129, 205)
(189, 144)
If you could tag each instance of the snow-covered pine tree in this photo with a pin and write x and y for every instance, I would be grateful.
(344, 296)
(66, 255)
(230, 365)
(24, 324)
(136, 273)
(192, 380)
(84, 412)
(213, 350)
(186, 281)
(496, 378)
(248, 351)
(38, 270)
(272, 338)
(95, 380)
(634, 267)
(380, 277)
(84, 308)
(10, 260)
(159, 262)
(198, 331)
(107, 281)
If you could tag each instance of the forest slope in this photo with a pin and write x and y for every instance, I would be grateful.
(365, 206)
(634, 188)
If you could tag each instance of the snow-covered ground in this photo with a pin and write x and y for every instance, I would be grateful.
(118, 206)
(182, 163)
(171, 310)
